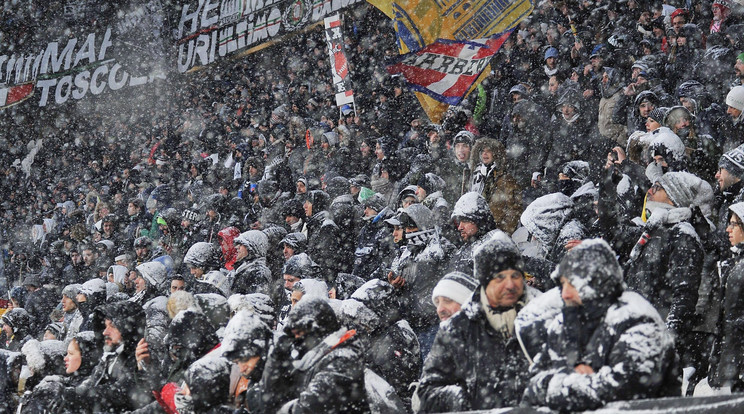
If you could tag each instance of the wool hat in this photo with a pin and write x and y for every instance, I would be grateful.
(376, 202)
(465, 137)
(658, 114)
(735, 97)
(740, 57)
(190, 215)
(457, 286)
(497, 252)
(733, 161)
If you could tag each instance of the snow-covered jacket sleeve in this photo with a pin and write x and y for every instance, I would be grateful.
(443, 380)
(639, 356)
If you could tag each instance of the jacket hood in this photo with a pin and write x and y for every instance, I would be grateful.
(202, 255)
(155, 275)
(255, 241)
(193, 332)
(209, 380)
(496, 147)
(298, 241)
(246, 336)
(129, 318)
(474, 207)
(420, 215)
(302, 266)
(380, 297)
(120, 273)
(545, 216)
(256, 303)
(592, 268)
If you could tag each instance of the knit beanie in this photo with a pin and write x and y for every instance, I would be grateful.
(687, 190)
(457, 286)
(733, 161)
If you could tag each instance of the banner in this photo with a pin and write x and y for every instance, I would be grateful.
(209, 30)
(447, 69)
(420, 23)
(339, 64)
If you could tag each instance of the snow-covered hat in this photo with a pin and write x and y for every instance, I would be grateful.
(687, 190)
(457, 286)
(592, 268)
(497, 252)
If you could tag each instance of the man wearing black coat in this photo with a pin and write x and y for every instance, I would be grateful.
(476, 362)
(604, 344)
(112, 386)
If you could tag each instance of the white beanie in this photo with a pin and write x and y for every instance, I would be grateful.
(735, 98)
(457, 286)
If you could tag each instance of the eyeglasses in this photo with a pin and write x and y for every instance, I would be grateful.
(656, 187)
(734, 223)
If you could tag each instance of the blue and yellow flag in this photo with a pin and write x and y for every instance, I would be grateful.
(420, 23)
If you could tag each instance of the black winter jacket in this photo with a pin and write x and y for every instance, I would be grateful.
(471, 366)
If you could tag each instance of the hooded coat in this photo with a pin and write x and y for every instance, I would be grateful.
(528, 143)
(615, 332)
(421, 263)
(112, 385)
(374, 247)
(326, 377)
(500, 188)
(251, 274)
(391, 347)
(324, 236)
(727, 356)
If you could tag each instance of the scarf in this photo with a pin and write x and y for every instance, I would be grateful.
(500, 319)
(661, 214)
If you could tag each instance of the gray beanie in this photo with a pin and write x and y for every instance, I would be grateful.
(687, 190)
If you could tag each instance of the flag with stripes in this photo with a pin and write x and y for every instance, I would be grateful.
(447, 69)
(11, 95)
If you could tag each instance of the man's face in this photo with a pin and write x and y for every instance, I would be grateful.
(408, 201)
(446, 307)
(241, 250)
(132, 209)
(89, 257)
(550, 62)
(75, 258)
(467, 229)
(196, 272)
(301, 188)
(111, 335)
(678, 22)
(725, 179)
(398, 234)
(289, 281)
(108, 227)
(68, 305)
(652, 125)
(140, 284)
(141, 252)
(658, 194)
(505, 289)
(364, 149)
(568, 111)
(295, 297)
(733, 112)
(8, 330)
(378, 151)
(645, 108)
(462, 152)
(288, 251)
(553, 85)
(486, 156)
(246, 366)
(739, 68)
(369, 212)
(420, 194)
(597, 63)
(569, 294)
(687, 103)
(308, 207)
(176, 285)
(290, 220)
(681, 123)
